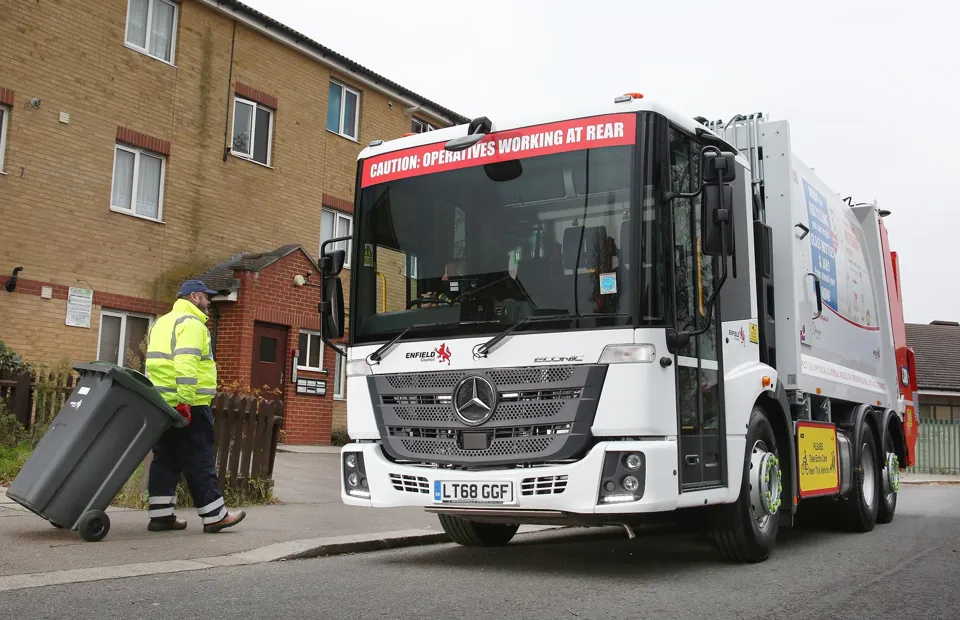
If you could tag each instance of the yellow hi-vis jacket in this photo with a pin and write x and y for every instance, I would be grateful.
(179, 362)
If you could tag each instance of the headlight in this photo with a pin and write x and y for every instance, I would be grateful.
(355, 475)
(628, 353)
(622, 478)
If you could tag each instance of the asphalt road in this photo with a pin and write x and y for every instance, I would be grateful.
(907, 569)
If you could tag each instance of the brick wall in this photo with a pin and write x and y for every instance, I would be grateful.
(270, 296)
(56, 216)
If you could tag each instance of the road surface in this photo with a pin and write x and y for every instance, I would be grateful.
(907, 569)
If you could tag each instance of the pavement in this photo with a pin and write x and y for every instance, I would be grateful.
(309, 520)
(905, 569)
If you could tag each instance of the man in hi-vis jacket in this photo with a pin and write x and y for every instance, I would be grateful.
(181, 367)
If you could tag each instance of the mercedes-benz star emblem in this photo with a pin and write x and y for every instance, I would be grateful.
(475, 400)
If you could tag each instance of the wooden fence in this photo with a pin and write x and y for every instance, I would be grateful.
(938, 448)
(32, 398)
(245, 441)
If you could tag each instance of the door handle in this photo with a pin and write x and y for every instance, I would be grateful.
(816, 287)
(692, 459)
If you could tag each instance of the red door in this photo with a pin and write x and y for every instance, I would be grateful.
(269, 359)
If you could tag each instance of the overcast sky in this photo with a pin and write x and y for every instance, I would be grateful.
(870, 88)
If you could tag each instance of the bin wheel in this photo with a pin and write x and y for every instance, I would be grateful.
(94, 526)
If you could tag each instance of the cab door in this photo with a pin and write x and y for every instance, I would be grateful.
(698, 365)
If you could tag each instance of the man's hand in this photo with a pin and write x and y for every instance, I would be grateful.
(184, 410)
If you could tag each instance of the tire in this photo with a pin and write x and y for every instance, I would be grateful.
(94, 525)
(859, 510)
(888, 501)
(472, 534)
(738, 536)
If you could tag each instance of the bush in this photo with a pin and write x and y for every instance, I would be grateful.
(339, 437)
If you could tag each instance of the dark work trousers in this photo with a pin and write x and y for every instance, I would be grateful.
(187, 451)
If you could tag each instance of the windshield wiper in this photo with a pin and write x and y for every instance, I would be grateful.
(484, 349)
(378, 355)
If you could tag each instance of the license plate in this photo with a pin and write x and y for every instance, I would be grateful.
(448, 492)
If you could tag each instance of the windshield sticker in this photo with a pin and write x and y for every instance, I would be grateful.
(548, 139)
(608, 283)
(367, 255)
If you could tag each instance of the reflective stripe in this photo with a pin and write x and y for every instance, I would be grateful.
(155, 355)
(162, 500)
(207, 391)
(167, 390)
(187, 380)
(216, 518)
(162, 512)
(206, 358)
(218, 503)
(188, 351)
(173, 336)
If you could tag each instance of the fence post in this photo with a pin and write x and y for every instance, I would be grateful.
(22, 397)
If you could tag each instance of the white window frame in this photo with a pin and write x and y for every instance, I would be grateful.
(3, 134)
(173, 34)
(309, 333)
(416, 266)
(343, 109)
(237, 99)
(340, 379)
(122, 315)
(132, 211)
(337, 215)
(418, 121)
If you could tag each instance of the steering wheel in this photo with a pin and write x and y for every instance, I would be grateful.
(419, 301)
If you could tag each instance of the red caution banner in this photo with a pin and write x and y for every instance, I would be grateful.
(548, 139)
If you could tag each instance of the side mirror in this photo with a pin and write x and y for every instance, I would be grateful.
(331, 309)
(719, 171)
(331, 264)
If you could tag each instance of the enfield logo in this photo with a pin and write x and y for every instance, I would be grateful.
(76, 404)
(739, 336)
(441, 355)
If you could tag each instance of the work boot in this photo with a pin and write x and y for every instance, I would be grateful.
(164, 525)
(230, 520)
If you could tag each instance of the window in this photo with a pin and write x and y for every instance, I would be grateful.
(151, 27)
(334, 224)
(343, 110)
(252, 131)
(310, 356)
(340, 379)
(420, 126)
(138, 182)
(123, 338)
(410, 267)
(4, 113)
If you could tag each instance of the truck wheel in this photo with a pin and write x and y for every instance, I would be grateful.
(889, 480)
(746, 530)
(472, 534)
(94, 525)
(860, 508)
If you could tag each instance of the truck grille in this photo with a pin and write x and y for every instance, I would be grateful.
(410, 484)
(544, 485)
(541, 414)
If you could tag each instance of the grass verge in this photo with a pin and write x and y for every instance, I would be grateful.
(12, 459)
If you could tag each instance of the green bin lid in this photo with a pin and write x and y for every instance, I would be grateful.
(137, 382)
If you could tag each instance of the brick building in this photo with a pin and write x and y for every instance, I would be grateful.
(146, 141)
(936, 349)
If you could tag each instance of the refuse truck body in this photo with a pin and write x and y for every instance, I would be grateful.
(618, 316)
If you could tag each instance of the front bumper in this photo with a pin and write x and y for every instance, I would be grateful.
(395, 485)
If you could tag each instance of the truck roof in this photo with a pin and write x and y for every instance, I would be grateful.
(541, 117)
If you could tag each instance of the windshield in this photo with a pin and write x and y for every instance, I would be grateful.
(490, 241)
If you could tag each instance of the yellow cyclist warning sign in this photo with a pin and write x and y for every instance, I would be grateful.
(818, 462)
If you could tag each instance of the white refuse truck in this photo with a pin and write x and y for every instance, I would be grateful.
(618, 316)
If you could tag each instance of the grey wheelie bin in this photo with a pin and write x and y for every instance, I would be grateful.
(111, 420)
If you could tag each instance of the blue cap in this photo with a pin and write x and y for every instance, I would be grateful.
(194, 286)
